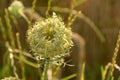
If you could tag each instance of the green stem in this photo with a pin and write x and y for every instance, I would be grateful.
(9, 27)
(33, 10)
(115, 55)
(21, 56)
(44, 75)
(49, 6)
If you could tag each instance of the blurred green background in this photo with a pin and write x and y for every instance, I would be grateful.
(104, 13)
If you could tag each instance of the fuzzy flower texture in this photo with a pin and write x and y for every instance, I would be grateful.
(49, 38)
(16, 8)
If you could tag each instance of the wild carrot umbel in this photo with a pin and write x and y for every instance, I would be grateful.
(50, 41)
(49, 38)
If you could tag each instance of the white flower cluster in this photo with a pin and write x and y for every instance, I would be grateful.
(49, 38)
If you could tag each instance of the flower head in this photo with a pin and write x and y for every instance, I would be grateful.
(49, 38)
(16, 8)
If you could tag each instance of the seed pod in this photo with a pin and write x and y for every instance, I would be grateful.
(16, 8)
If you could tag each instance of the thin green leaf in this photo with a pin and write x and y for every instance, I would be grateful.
(69, 77)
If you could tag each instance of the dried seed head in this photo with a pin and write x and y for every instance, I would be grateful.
(16, 8)
(49, 38)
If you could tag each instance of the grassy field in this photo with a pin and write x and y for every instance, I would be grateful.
(59, 40)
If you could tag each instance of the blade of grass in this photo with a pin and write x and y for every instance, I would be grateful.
(69, 77)
(83, 71)
(102, 73)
